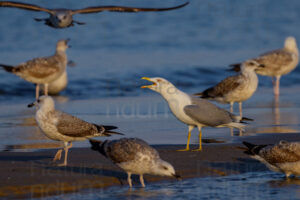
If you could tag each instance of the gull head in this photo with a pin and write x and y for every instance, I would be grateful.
(62, 45)
(44, 102)
(160, 85)
(164, 168)
(251, 65)
(290, 44)
(61, 18)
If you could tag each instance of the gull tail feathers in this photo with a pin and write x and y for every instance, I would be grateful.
(235, 67)
(7, 68)
(97, 145)
(253, 149)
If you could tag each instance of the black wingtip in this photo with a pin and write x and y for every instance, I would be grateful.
(95, 144)
(246, 119)
(250, 148)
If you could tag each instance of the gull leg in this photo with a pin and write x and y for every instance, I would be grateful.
(37, 91)
(57, 155)
(188, 140)
(231, 107)
(46, 89)
(129, 179)
(142, 180)
(200, 139)
(66, 148)
(241, 109)
(276, 86)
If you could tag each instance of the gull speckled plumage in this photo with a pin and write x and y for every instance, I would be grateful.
(283, 157)
(237, 88)
(61, 126)
(43, 70)
(134, 156)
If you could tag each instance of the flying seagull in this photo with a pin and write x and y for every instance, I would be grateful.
(42, 70)
(62, 17)
(134, 156)
(193, 111)
(236, 88)
(282, 157)
(277, 63)
(61, 126)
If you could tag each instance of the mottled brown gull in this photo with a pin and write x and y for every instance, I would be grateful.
(62, 17)
(278, 62)
(193, 111)
(42, 70)
(61, 126)
(236, 88)
(134, 156)
(282, 157)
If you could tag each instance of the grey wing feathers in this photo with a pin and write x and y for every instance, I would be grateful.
(74, 127)
(122, 9)
(127, 149)
(282, 152)
(23, 6)
(207, 113)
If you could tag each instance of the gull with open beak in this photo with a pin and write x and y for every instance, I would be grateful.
(193, 111)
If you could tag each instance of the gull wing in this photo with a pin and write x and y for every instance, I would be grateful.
(281, 153)
(25, 6)
(207, 113)
(128, 149)
(122, 9)
(222, 88)
(275, 59)
(74, 127)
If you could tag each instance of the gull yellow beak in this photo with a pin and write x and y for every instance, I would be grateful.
(148, 79)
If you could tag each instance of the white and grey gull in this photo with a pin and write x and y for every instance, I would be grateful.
(237, 88)
(277, 62)
(283, 157)
(63, 17)
(61, 126)
(42, 70)
(134, 156)
(193, 111)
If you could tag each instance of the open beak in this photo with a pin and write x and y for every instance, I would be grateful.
(177, 176)
(148, 79)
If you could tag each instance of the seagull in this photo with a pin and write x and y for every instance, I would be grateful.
(61, 126)
(277, 63)
(55, 87)
(236, 88)
(282, 157)
(62, 17)
(193, 111)
(134, 156)
(42, 70)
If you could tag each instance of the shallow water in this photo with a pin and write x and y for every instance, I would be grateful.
(258, 185)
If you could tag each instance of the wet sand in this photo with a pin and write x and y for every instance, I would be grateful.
(33, 174)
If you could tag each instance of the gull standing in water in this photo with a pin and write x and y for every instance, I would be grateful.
(62, 17)
(282, 157)
(193, 111)
(236, 88)
(278, 62)
(61, 126)
(42, 70)
(134, 156)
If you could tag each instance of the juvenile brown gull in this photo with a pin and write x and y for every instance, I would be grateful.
(278, 62)
(134, 156)
(193, 111)
(61, 126)
(42, 70)
(63, 17)
(236, 88)
(282, 157)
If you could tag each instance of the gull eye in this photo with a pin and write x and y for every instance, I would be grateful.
(38, 101)
(164, 167)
